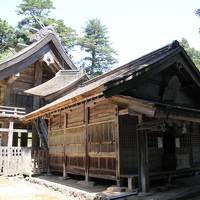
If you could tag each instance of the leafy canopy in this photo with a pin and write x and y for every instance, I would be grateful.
(37, 12)
(192, 52)
(36, 8)
(7, 36)
(67, 34)
(99, 53)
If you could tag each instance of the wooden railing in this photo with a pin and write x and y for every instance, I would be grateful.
(22, 160)
(16, 112)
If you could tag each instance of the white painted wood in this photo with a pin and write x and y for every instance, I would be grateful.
(10, 134)
(14, 130)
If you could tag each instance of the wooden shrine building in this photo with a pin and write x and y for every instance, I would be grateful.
(30, 67)
(138, 120)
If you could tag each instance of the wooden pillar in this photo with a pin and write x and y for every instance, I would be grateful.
(64, 162)
(117, 150)
(35, 137)
(36, 101)
(10, 134)
(48, 155)
(144, 163)
(65, 176)
(86, 117)
(143, 159)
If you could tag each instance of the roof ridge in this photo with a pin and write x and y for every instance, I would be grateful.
(173, 45)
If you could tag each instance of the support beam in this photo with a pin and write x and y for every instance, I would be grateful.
(86, 110)
(117, 150)
(14, 130)
(65, 176)
(143, 167)
(134, 105)
(36, 101)
(144, 162)
(64, 163)
(10, 134)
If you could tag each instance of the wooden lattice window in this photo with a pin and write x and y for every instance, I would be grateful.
(185, 140)
(152, 141)
(23, 101)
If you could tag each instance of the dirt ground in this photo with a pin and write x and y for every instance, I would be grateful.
(187, 188)
(15, 190)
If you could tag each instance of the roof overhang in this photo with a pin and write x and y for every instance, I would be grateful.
(152, 109)
(34, 52)
(63, 80)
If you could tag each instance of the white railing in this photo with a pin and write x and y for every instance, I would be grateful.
(16, 112)
(22, 160)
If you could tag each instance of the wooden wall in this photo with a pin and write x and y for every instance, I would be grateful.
(195, 142)
(85, 137)
(155, 154)
(128, 144)
(12, 92)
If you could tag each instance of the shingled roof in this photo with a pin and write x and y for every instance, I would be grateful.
(33, 52)
(120, 75)
(63, 80)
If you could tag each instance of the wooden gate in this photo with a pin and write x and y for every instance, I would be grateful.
(22, 160)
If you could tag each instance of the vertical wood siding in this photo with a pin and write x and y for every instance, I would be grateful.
(67, 137)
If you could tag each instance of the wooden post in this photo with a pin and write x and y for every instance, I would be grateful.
(36, 101)
(48, 156)
(143, 159)
(144, 163)
(64, 163)
(86, 112)
(65, 176)
(10, 134)
(117, 146)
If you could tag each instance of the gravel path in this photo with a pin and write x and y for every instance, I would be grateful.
(19, 190)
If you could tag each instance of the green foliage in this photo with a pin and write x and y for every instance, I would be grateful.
(33, 10)
(7, 36)
(192, 52)
(36, 8)
(95, 43)
(67, 34)
(7, 53)
(37, 12)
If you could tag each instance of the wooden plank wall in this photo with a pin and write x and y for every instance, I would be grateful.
(12, 92)
(102, 139)
(195, 143)
(155, 154)
(68, 132)
(128, 144)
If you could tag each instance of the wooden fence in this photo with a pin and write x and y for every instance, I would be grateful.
(22, 160)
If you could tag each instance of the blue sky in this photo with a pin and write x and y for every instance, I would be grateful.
(135, 27)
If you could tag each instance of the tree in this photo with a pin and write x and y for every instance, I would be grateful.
(99, 53)
(67, 34)
(36, 8)
(192, 52)
(7, 38)
(37, 12)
